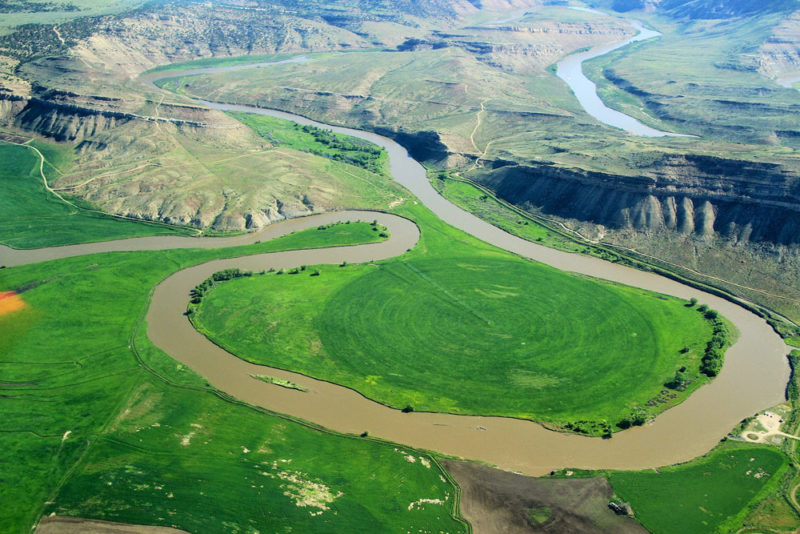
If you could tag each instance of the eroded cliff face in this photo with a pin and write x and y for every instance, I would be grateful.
(693, 195)
(780, 53)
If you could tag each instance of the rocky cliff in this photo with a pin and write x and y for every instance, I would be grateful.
(697, 195)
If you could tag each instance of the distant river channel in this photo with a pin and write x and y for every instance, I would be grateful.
(570, 69)
(753, 378)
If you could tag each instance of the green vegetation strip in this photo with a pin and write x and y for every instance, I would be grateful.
(213, 62)
(317, 141)
(279, 382)
(458, 326)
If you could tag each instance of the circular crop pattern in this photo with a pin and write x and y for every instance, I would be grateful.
(482, 334)
(501, 336)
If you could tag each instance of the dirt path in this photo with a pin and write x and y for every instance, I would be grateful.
(481, 153)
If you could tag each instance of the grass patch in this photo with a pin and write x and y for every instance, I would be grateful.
(540, 515)
(458, 326)
(317, 141)
(279, 382)
(31, 217)
(705, 495)
(210, 62)
(191, 460)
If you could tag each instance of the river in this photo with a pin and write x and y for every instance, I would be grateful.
(753, 378)
(570, 69)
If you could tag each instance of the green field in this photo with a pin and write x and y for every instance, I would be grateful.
(318, 141)
(458, 326)
(94, 418)
(212, 62)
(31, 217)
(709, 494)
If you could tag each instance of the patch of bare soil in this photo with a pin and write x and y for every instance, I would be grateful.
(76, 525)
(496, 501)
(10, 302)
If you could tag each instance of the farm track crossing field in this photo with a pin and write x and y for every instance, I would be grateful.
(464, 329)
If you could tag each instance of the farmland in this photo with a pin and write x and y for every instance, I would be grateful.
(439, 329)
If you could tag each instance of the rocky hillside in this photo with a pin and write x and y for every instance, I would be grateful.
(706, 9)
(689, 194)
(780, 52)
(144, 153)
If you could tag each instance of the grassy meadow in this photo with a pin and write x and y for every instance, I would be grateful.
(31, 217)
(212, 62)
(458, 326)
(710, 494)
(95, 418)
(317, 141)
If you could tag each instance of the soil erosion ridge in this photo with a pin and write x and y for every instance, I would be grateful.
(753, 378)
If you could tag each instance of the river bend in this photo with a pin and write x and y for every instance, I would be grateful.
(570, 69)
(753, 378)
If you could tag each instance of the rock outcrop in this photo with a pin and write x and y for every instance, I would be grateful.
(700, 195)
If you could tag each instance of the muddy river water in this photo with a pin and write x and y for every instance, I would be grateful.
(753, 378)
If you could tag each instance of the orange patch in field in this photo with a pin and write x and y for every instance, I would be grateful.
(10, 302)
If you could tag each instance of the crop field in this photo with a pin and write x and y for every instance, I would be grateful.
(706, 495)
(55, 222)
(457, 326)
(152, 462)
(85, 392)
